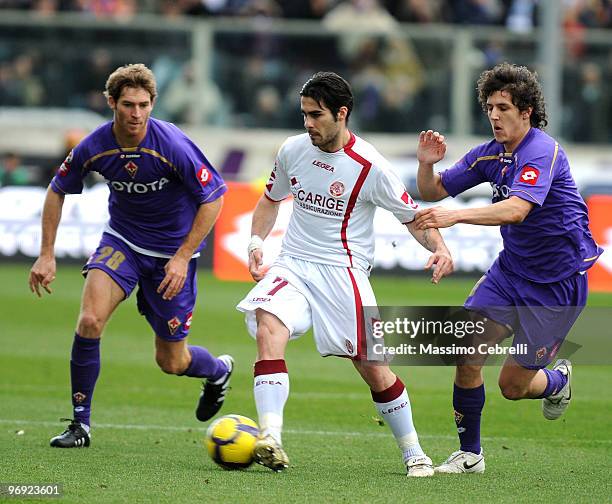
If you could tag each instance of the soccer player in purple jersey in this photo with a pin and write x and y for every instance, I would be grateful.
(547, 249)
(164, 199)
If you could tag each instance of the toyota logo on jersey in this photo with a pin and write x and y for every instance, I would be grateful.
(204, 176)
(530, 175)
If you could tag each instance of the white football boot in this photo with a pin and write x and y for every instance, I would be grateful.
(419, 466)
(461, 462)
(269, 453)
(555, 405)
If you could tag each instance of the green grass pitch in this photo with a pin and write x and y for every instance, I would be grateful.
(147, 444)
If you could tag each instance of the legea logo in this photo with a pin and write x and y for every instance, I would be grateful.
(394, 408)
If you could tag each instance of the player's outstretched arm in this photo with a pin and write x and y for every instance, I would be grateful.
(510, 211)
(264, 218)
(43, 270)
(430, 150)
(432, 240)
(177, 267)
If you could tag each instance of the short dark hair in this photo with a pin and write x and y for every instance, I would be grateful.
(521, 83)
(135, 76)
(331, 90)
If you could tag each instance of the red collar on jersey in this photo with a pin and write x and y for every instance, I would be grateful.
(350, 143)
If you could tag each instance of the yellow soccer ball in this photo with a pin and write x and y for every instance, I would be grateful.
(230, 441)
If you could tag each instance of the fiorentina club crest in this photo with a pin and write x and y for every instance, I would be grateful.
(131, 168)
(79, 397)
(539, 355)
(458, 417)
(173, 324)
(336, 189)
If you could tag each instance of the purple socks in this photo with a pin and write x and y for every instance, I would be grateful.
(204, 364)
(84, 371)
(556, 381)
(468, 404)
(85, 368)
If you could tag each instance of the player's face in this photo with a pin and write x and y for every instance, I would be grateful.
(132, 111)
(509, 124)
(325, 133)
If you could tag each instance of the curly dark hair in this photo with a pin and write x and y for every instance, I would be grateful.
(331, 90)
(521, 83)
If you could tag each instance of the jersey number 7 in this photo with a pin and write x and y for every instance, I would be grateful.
(282, 283)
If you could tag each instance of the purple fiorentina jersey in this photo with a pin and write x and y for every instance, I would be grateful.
(554, 241)
(155, 188)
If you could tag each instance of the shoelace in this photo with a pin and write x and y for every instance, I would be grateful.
(72, 426)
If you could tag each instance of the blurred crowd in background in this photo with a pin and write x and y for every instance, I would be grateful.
(516, 14)
(401, 83)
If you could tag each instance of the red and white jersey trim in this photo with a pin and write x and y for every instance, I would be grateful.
(335, 195)
(366, 165)
(362, 350)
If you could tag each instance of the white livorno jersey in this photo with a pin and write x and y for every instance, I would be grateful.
(335, 195)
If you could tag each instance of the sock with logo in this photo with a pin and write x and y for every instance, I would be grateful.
(468, 404)
(555, 381)
(84, 371)
(271, 390)
(204, 364)
(393, 405)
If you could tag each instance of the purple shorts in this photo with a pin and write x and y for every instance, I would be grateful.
(541, 315)
(171, 319)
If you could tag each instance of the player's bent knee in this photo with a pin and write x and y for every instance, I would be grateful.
(172, 363)
(171, 366)
(90, 325)
(512, 391)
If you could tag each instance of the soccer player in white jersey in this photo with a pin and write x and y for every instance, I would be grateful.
(320, 278)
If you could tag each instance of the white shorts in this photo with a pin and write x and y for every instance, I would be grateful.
(329, 298)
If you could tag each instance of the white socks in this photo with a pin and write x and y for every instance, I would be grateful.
(393, 405)
(271, 390)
